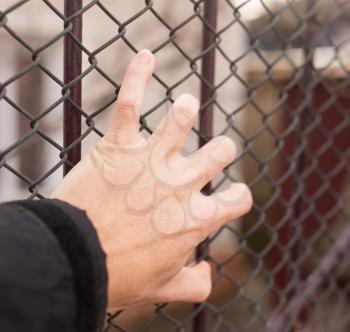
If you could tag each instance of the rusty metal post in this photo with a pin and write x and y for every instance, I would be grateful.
(206, 118)
(299, 98)
(72, 69)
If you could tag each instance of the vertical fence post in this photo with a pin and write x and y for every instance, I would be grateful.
(72, 69)
(307, 97)
(299, 97)
(206, 118)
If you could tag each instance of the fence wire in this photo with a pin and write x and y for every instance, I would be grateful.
(274, 75)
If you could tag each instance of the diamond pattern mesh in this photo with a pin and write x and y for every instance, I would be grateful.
(271, 74)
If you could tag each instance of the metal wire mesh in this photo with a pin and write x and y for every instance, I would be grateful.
(274, 75)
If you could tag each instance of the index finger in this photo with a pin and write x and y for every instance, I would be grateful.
(124, 128)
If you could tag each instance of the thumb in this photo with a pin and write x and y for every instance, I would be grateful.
(191, 284)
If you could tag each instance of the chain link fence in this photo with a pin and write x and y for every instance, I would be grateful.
(271, 74)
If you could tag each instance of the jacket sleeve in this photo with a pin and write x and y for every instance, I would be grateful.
(52, 269)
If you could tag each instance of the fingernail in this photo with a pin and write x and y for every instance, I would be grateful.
(144, 57)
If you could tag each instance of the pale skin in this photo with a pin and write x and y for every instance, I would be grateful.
(143, 197)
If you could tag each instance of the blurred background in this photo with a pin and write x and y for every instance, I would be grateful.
(280, 90)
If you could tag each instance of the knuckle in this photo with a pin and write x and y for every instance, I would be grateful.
(183, 115)
(135, 72)
(203, 212)
(126, 102)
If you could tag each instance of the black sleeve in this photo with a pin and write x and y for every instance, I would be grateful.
(52, 269)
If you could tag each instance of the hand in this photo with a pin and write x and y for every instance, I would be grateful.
(144, 199)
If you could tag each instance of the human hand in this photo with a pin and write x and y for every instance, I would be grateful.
(144, 199)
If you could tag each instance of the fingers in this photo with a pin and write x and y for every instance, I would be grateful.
(174, 128)
(191, 284)
(212, 158)
(231, 203)
(124, 129)
(212, 212)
